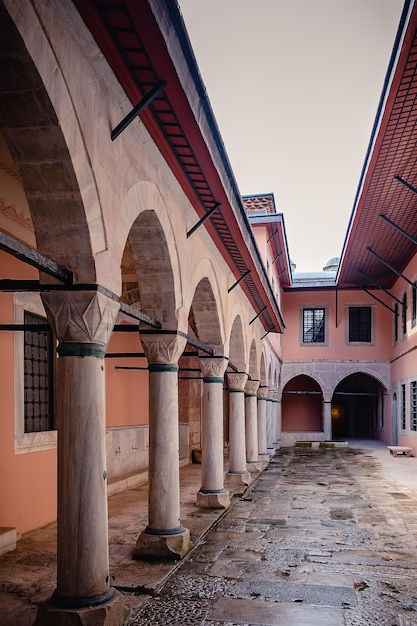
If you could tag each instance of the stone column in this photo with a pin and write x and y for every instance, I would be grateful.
(251, 426)
(212, 493)
(278, 398)
(262, 441)
(82, 323)
(238, 474)
(270, 421)
(164, 537)
(327, 416)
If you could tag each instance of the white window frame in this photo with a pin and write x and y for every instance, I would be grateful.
(26, 442)
(314, 344)
(346, 313)
(412, 431)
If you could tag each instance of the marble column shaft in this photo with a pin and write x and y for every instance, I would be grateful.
(251, 420)
(82, 322)
(164, 535)
(212, 492)
(327, 416)
(237, 443)
(262, 401)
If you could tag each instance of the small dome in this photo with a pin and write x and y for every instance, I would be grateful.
(332, 264)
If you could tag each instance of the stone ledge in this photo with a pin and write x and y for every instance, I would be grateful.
(320, 445)
(397, 450)
(8, 539)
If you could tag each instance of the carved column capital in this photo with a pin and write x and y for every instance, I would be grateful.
(82, 320)
(251, 387)
(263, 392)
(237, 381)
(163, 347)
(213, 366)
(270, 395)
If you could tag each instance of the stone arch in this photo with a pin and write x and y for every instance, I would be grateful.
(253, 369)
(43, 135)
(302, 404)
(263, 377)
(205, 311)
(237, 345)
(303, 371)
(152, 260)
(358, 405)
(364, 369)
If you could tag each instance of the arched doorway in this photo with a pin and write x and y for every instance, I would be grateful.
(302, 405)
(357, 407)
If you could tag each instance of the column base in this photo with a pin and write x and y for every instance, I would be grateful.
(213, 499)
(238, 479)
(264, 458)
(254, 467)
(110, 613)
(152, 545)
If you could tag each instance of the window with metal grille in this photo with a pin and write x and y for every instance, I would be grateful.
(313, 325)
(396, 322)
(403, 414)
(414, 305)
(360, 319)
(404, 314)
(38, 369)
(413, 405)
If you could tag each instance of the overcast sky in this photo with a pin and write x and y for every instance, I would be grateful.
(294, 86)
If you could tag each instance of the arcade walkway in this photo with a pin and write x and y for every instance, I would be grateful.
(321, 538)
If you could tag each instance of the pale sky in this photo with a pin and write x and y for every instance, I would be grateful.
(294, 86)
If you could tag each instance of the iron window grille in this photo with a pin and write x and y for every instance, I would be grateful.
(313, 325)
(396, 322)
(360, 324)
(413, 407)
(38, 377)
(414, 306)
(404, 314)
(403, 413)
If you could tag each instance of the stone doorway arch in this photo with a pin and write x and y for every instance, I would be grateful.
(358, 407)
(302, 405)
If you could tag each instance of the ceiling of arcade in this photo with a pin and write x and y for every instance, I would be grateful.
(15, 218)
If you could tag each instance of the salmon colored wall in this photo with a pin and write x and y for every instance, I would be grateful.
(404, 361)
(302, 412)
(261, 238)
(127, 391)
(337, 348)
(27, 481)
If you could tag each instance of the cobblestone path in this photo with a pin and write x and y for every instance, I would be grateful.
(321, 538)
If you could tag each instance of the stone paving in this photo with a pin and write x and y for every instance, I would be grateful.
(320, 538)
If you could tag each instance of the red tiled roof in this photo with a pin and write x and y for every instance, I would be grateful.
(392, 158)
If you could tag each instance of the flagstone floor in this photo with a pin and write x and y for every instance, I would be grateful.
(320, 538)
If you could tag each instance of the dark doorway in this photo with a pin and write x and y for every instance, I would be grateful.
(357, 407)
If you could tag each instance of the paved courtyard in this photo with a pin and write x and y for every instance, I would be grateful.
(321, 538)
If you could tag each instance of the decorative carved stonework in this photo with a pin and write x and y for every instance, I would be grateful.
(213, 366)
(80, 316)
(263, 392)
(9, 211)
(163, 348)
(251, 387)
(237, 381)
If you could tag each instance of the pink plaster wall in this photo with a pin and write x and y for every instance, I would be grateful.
(27, 481)
(404, 353)
(302, 412)
(337, 348)
(127, 391)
